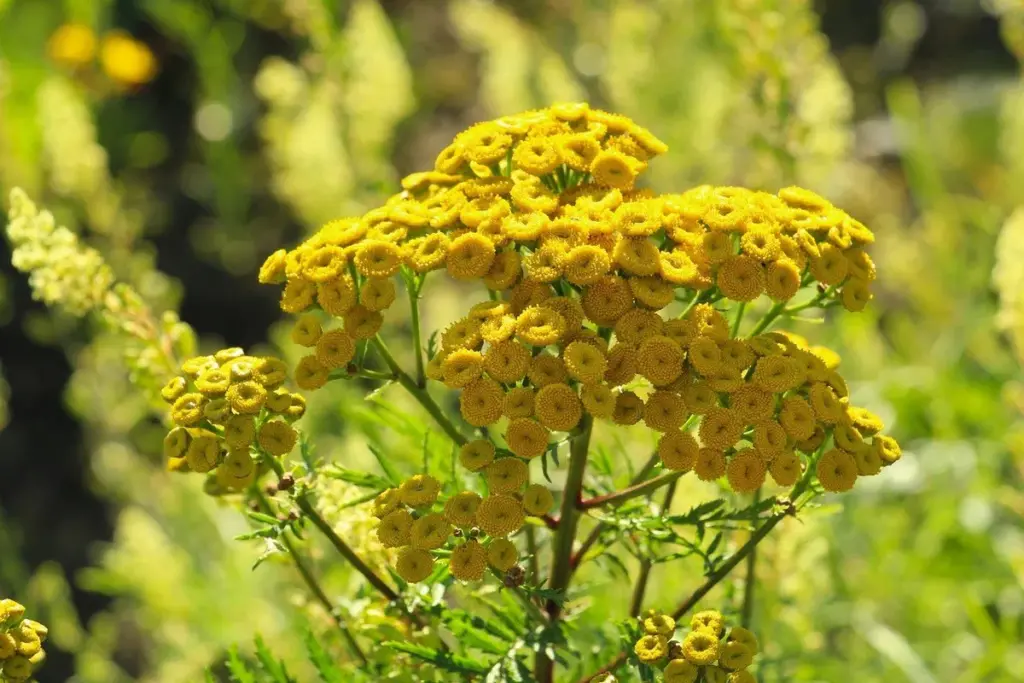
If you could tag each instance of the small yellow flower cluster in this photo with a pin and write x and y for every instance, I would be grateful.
(125, 60)
(223, 406)
(761, 401)
(21, 643)
(707, 653)
(408, 522)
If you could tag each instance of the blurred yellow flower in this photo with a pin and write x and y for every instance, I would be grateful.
(126, 60)
(72, 45)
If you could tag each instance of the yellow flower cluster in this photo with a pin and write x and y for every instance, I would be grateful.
(224, 406)
(709, 652)
(762, 401)
(480, 525)
(21, 643)
(125, 60)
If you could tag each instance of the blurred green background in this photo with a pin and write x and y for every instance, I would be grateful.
(186, 139)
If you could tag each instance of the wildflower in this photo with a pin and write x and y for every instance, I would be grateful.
(460, 509)
(506, 475)
(277, 437)
(700, 647)
(629, 409)
(470, 256)
(710, 464)
(678, 450)
(203, 453)
(527, 438)
(518, 402)
(310, 373)
(72, 45)
(246, 397)
(598, 400)
(500, 515)
(664, 411)
(334, 349)
(414, 564)
(537, 500)
(468, 561)
(239, 431)
(837, 471)
(540, 326)
(386, 502)
(660, 360)
(306, 330)
(126, 60)
(507, 361)
(557, 407)
(337, 297)
(419, 491)
(651, 648)
(614, 169)
(362, 323)
(745, 471)
(461, 367)
(481, 401)
(681, 671)
(887, 448)
(429, 532)
(378, 258)
(477, 454)
(659, 624)
(395, 529)
(187, 410)
(502, 554)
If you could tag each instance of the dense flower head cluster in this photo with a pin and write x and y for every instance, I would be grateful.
(605, 301)
(223, 407)
(475, 528)
(708, 652)
(21, 643)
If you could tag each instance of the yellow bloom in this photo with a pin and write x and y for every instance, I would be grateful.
(325, 264)
(825, 403)
(395, 529)
(741, 278)
(414, 564)
(611, 168)
(622, 365)
(477, 454)
(386, 502)
(782, 280)
(277, 437)
(306, 330)
(855, 295)
(335, 349)
(239, 431)
(652, 292)
(203, 453)
(741, 677)
(377, 294)
(126, 60)
(174, 389)
(310, 373)
(176, 443)
(544, 264)
(720, 428)
(460, 509)
(637, 256)
(463, 334)
(829, 267)
(657, 624)
(273, 269)
(660, 360)
(665, 411)
(430, 531)
(578, 150)
(537, 500)
(745, 471)
(681, 671)
(700, 647)
(461, 367)
(72, 45)
(738, 634)
(518, 402)
(419, 491)
(537, 156)
(678, 450)
(586, 264)
(887, 448)
(557, 407)
(378, 258)
(629, 408)
(298, 295)
(362, 323)
(637, 325)
(237, 470)
(336, 297)
(598, 400)
(607, 300)
(584, 362)
(187, 410)
(777, 374)
(470, 256)
(751, 403)
(527, 438)
(246, 397)
(837, 471)
(427, 253)
(651, 648)
(785, 468)
(502, 554)
(506, 475)
(539, 326)
(481, 402)
(468, 561)
(507, 361)
(699, 398)
(500, 515)
(504, 270)
(769, 438)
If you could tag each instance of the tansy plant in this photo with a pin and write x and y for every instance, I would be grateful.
(602, 307)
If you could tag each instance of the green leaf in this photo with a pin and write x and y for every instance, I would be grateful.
(476, 632)
(322, 661)
(261, 517)
(366, 480)
(269, 664)
(237, 669)
(273, 547)
(442, 660)
(394, 477)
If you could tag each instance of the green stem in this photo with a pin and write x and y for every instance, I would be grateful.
(413, 285)
(420, 394)
(645, 565)
(344, 550)
(740, 310)
(561, 566)
(749, 581)
(531, 547)
(768, 319)
(641, 489)
(314, 585)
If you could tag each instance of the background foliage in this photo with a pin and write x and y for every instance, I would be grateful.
(267, 117)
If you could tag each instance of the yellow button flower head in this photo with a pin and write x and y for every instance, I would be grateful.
(629, 409)
(378, 258)
(537, 500)
(481, 402)
(507, 361)
(746, 471)
(527, 438)
(546, 369)
(335, 349)
(700, 647)
(239, 431)
(500, 515)
(611, 168)
(678, 450)
(246, 397)
(470, 256)
(584, 362)
(837, 471)
(460, 509)
(782, 279)
(477, 454)
(126, 60)
(310, 373)
(741, 677)
(558, 407)
(659, 624)
(518, 402)
(651, 648)
(710, 464)
(336, 297)
(203, 453)
(502, 554)
(237, 470)
(419, 491)
(468, 561)
(176, 443)
(394, 530)
(586, 264)
(386, 502)
(414, 564)
(506, 475)
(461, 367)
(681, 671)
(430, 531)
(306, 330)
(362, 323)
(598, 400)
(277, 437)
(665, 411)
(540, 326)
(660, 360)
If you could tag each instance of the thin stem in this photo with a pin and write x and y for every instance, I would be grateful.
(768, 318)
(641, 489)
(344, 550)
(750, 580)
(420, 394)
(740, 310)
(314, 585)
(531, 547)
(561, 565)
(595, 533)
(413, 284)
(645, 565)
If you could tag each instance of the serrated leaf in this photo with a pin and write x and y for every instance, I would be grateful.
(273, 547)
(367, 480)
(442, 660)
(324, 664)
(394, 477)
(474, 635)
(237, 669)
(262, 517)
(266, 532)
(269, 663)
(379, 390)
(360, 500)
